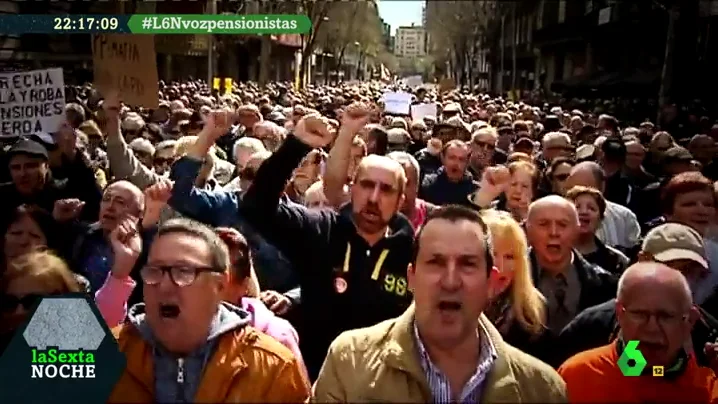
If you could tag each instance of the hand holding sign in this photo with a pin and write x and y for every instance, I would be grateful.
(112, 105)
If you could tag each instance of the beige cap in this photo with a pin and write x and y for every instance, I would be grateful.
(674, 241)
(452, 107)
(398, 136)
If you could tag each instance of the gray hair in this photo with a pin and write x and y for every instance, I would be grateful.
(165, 145)
(553, 136)
(218, 249)
(405, 159)
(250, 143)
(142, 145)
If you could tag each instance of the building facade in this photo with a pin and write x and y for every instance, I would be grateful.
(608, 48)
(410, 41)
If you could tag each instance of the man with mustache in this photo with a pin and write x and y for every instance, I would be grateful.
(352, 263)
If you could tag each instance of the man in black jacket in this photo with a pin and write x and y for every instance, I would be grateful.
(352, 264)
(675, 245)
(452, 183)
(568, 282)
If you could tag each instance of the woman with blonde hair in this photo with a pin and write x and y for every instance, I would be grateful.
(517, 308)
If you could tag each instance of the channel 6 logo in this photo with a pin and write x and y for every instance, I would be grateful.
(632, 361)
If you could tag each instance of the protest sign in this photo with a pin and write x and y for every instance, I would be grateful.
(419, 111)
(31, 102)
(413, 81)
(128, 64)
(447, 84)
(397, 103)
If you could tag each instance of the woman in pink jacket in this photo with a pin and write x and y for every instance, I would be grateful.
(243, 284)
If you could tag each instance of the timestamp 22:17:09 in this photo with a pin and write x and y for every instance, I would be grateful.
(85, 23)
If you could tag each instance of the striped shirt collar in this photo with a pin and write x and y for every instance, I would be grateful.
(439, 383)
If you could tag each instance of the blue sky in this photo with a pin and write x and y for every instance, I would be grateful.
(400, 13)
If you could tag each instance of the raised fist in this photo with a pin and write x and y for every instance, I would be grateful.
(315, 131)
(497, 177)
(218, 122)
(66, 210)
(126, 245)
(355, 117)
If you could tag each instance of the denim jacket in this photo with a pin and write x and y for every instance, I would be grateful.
(219, 208)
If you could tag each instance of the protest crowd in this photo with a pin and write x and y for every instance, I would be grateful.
(371, 242)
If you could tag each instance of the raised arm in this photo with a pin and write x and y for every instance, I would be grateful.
(290, 227)
(493, 183)
(211, 207)
(335, 176)
(123, 163)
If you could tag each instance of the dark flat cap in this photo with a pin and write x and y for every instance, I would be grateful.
(28, 147)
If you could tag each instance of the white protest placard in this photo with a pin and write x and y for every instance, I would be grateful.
(419, 111)
(397, 103)
(31, 102)
(413, 81)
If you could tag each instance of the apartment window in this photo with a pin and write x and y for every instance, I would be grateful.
(561, 11)
(589, 6)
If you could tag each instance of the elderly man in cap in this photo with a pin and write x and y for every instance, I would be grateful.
(32, 183)
(451, 110)
(674, 245)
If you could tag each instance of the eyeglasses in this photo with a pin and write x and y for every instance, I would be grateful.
(180, 275)
(664, 319)
(10, 303)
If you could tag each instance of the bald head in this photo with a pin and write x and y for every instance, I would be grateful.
(586, 174)
(648, 277)
(121, 199)
(552, 202)
(128, 187)
(375, 161)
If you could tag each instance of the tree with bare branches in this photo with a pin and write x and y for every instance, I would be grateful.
(455, 30)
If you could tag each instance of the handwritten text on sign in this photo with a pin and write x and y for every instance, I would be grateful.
(32, 101)
(126, 63)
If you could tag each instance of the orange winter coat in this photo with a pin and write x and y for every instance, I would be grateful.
(247, 366)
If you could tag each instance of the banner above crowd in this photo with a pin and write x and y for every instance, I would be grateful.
(31, 102)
